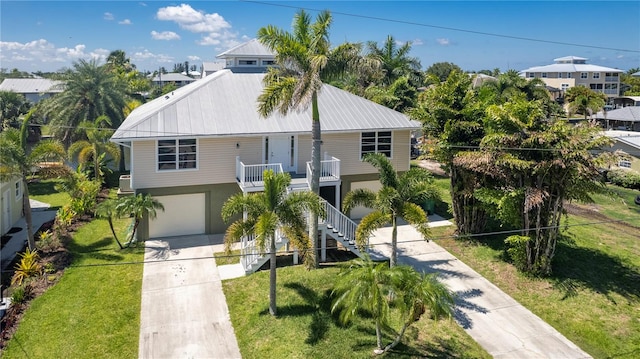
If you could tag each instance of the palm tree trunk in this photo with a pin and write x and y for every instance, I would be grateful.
(26, 205)
(396, 341)
(272, 276)
(113, 231)
(394, 242)
(315, 172)
(379, 349)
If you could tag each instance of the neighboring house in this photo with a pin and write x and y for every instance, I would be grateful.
(573, 71)
(629, 143)
(625, 101)
(195, 148)
(210, 67)
(249, 55)
(10, 203)
(176, 78)
(626, 118)
(33, 90)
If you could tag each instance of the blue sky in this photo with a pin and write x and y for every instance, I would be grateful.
(49, 35)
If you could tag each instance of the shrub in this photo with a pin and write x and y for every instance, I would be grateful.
(28, 267)
(47, 241)
(517, 250)
(21, 294)
(624, 178)
(65, 216)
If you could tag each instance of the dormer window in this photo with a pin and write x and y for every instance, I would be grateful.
(268, 62)
(247, 62)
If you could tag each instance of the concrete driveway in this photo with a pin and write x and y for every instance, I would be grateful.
(184, 312)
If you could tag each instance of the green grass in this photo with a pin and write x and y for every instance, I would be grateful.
(44, 191)
(222, 258)
(94, 310)
(305, 328)
(593, 297)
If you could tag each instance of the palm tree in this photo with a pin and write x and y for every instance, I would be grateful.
(137, 207)
(17, 161)
(267, 212)
(399, 197)
(584, 100)
(107, 210)
(395, 61)
(90, 91)
(376, 287)
(304, 61)
(95, 147)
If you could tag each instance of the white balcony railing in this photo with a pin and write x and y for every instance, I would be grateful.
(329, 170)
(254, 174)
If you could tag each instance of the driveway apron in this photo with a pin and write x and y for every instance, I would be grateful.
(184, 312)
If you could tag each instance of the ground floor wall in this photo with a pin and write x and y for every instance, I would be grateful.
(10, 204)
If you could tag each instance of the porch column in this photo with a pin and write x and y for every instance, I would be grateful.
(323, 245)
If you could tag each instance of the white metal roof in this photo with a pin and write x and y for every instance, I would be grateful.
(213, 66)
(629, 113)
(570, 58)
(570, 68)
(173, 76)
(225, 104)
(252, 48)
(31, 85)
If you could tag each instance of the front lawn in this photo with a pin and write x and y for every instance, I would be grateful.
(44, 191)
(305, 328)
(94, 310)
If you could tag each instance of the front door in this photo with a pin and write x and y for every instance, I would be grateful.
(281, 149)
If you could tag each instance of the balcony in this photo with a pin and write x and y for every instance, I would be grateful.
(250, 177)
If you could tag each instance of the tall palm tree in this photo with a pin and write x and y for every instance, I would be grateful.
(90, 91)
(137, 207)
(584, 100)
(399, 197)
(395, 61)
(376, 287)
(304, 60)
(17, 161)
(265, 213)
(95, 147)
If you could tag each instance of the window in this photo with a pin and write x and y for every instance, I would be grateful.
(177, 154)
(564, 87)
(559, 75)
(376, 142)
(544, 75)
(624, 163)
(595, 86)
(583, 75)
(611, 74)
(596, 75)
(531, 75)
(18, 190)
(268, 62)
(247, 62)
(569, 75)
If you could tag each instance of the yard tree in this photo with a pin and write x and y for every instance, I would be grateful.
(16, 160)
(584, 101)
(266, 213)
(395, 61)
(137, 206)
(441, 70)
(12, 106)
(400, 197)
(382, 290)
(95, 147)
(107, 210)
(305, 59)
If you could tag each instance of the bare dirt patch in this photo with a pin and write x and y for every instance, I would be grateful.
(433, 167)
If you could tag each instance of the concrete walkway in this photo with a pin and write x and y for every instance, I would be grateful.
(496, 321)
(184, 312)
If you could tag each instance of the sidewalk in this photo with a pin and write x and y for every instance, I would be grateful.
(502, 326)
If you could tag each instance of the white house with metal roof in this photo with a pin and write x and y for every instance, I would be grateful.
(570, 71)
(33, 90)
(194, 148)
(629, 143)
(175, 78)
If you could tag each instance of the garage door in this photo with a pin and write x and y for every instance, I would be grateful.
(360, 211)
(183, 215)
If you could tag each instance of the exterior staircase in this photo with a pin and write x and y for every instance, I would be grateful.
(252, 257)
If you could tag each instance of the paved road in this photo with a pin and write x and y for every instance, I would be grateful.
(496, 321)
(184, 312)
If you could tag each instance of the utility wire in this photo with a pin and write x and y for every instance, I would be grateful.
(444, 27)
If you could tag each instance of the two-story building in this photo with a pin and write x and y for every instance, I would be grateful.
(194, 148)
(573, 71)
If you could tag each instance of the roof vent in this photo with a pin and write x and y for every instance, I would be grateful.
(166, 97)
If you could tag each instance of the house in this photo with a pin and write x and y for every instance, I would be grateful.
(629, 143)
(196, 147)
(11, 203)
(34, 90)
(210, 67)
(626, 118)
(573, 71)
(625, 101)
(175, 78)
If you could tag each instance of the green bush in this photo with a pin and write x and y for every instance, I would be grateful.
(624, 178)
(517, 250)
(21, 294)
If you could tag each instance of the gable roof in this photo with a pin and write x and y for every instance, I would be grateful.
(252, 48)
(225, 104)
(31, 85)
(629, 113)
(172, 76)
(630, 138)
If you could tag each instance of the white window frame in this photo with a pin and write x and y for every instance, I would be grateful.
(559, 75)
(584, 75)
(544, 75)
(176, 155)
(531, 75)
(596, 75)
(376, 143)
(268, 62)
(569, 75)
(18, 190)
(248, 60)
(624, 164)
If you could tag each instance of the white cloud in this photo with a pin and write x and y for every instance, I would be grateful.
(125, 22)
(165, 35)
(41, 54)
(148, 55)
(142, 4)
(620, 56)
(108, 16)
(417, 42)
(214, 28)
(443, 41)
(193, 58)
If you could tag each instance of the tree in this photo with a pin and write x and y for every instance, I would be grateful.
(90, 91)
(107, 210)
(304, 61)
(400, 197)
(12, 106)
(137, 207)
(441, 70)
(17, 161)
(584, 100)
(95, 147)
(630, 85)
(376, 288)
(265, 213)
(399, 96)
(395, 61)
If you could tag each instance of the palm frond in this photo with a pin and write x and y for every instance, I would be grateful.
(368, 225)
(415, 216)
(358, 197)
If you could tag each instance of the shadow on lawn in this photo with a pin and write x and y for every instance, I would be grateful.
(95, 250)
(42, 188)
